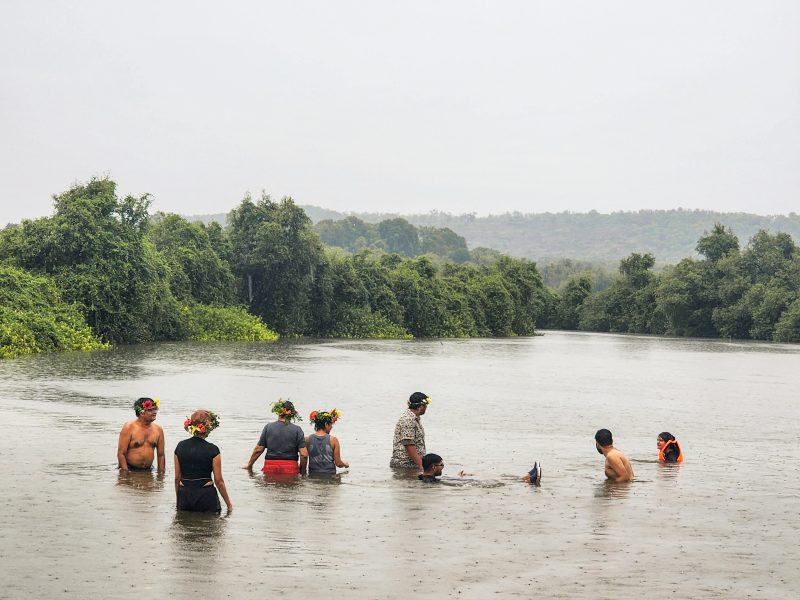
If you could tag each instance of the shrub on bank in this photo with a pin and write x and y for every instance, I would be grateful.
(34, 318)
(225, 324)
(356, 322)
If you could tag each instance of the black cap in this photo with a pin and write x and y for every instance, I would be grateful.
(417, 399)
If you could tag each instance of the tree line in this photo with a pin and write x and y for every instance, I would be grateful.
(729, 292)
(103, 270)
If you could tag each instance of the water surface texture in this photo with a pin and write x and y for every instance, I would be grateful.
(722, 525)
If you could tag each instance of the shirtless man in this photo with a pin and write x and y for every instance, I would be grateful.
(141, 438)
(618, 467)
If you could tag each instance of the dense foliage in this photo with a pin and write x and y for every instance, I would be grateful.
(393, 235)
(34, 318)
(747, 294)
(129, 279)
(102, 268)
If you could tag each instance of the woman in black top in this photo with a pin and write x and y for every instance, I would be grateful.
(196, 461)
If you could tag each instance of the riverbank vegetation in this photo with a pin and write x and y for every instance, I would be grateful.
(750, 293)
(129, 276)
(103, 270)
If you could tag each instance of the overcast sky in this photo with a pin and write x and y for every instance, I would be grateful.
(460, 106)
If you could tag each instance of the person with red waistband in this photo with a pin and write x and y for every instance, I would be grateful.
(284, 442)
(669, 450)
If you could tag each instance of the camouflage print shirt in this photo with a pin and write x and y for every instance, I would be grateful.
(407, 431)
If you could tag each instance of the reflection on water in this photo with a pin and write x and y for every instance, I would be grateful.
(141, 482)
(75, 523)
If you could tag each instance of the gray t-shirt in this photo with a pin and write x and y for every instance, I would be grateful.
(282, 440)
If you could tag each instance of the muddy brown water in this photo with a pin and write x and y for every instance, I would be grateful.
(722, 525)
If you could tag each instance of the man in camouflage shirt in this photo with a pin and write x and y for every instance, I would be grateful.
(409, 436)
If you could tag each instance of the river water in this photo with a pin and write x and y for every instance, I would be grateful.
(722, 525)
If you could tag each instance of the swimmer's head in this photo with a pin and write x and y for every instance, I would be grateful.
(145, 405)
(322, 418)
(201, 423)
(603, 439)
(663, 438)
(419, 401)
(430, 461)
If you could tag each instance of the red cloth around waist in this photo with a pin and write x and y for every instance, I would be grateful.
(280, 467)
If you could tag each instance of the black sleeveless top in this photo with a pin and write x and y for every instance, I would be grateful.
(195, 457)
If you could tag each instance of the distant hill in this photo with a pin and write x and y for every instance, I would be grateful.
(669, 235)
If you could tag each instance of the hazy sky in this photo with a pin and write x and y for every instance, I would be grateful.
(460, 106)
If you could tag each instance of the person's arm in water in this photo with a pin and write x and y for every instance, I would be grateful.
(254, 457)
(337, 457)
(617, 466)
(414, 455)
(303, 452)
(162, 459)
(122, 446)
(177, 475)
(216, 471)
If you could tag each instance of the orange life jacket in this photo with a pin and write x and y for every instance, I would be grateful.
(666, 446)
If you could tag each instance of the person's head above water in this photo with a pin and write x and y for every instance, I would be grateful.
(323, 418)
(665, 436)
(201, 423)
(604, 438)
(418, 402)
(145, 405)
(432, 464)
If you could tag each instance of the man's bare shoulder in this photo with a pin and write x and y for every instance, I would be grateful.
(128, 426)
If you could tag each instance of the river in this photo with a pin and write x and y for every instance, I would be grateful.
(724, 524)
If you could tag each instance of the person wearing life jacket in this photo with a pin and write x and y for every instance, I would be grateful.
(669, 450)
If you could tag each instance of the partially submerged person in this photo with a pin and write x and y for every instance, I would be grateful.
(324, 450)
(669, 450)
(617, 466)
(284, 442)
(408, 445)
(432, 467)
(141, 440)
(196, 462)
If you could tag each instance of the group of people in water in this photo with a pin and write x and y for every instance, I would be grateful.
(289, 452)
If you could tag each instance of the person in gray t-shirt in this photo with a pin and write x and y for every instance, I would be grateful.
(284, 442)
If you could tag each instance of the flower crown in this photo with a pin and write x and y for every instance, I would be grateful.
(290, 414)
(323, 416)
(202, 427)
(146, 406)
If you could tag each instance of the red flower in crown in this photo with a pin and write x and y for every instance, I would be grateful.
(148, 405)
(312, 416)
(187, 422)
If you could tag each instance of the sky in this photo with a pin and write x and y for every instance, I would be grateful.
(408, 107)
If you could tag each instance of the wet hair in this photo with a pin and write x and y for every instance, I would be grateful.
(139, 408)
(417, 399)
(603, 437)
(666, 436)
(429, 460)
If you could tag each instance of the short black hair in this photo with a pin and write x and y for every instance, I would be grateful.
(138, 406)
(666, 436)
(603, 437)
(429, 460)
(417, 399)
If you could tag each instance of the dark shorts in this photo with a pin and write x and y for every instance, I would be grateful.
(199, 499)
(140, 469)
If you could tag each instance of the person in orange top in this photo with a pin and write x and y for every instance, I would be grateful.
(669, 451)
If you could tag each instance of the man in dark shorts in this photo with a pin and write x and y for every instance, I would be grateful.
(284, 442)
(141, 439)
